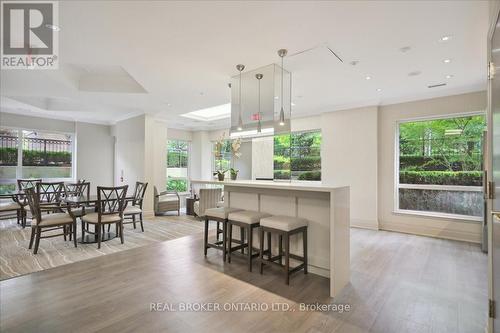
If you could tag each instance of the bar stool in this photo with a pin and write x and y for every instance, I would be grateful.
(285, 226)
(246, 220)
(219, 214)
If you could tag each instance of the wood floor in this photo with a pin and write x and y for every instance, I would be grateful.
(400, 283)
(16, 259)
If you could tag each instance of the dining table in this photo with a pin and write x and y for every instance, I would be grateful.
(90, 202)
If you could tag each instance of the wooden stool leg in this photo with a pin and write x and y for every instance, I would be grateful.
(242, 238)
(304, 242)
(287, 258)
(281, 249)
(269, 253)
(218, 232)
(230, 234)
(205, 242)
(224, 240)
(261, 254)
(250, 240)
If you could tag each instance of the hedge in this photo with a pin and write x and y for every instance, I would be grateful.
(436, 163)
(36, 157)
(8, 156)
(463, 178)
(281, 174)
(177, 159)
(306, 163)
(310, 175)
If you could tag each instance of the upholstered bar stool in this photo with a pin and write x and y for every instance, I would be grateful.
(219, 214)
(246, 220)
(284, 226)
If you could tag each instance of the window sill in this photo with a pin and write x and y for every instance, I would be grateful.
(444, 216)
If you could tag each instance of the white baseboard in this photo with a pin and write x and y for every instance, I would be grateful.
(364, 224)
(421, 230)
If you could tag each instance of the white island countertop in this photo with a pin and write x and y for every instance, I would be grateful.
(279, 185)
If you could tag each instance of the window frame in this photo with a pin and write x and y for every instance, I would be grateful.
(19, 166)
(397, 185)
(188, 176)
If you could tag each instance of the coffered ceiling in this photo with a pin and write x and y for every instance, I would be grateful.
(120, 59)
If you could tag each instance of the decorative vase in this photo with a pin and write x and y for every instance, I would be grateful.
(221, 176)
(234, 175)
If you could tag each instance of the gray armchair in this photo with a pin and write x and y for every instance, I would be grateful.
(166, 201)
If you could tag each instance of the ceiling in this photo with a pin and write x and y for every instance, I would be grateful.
(120, 59)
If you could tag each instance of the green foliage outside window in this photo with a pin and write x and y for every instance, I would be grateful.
(179, 185)
(298, 156)
(177, 165)
(442, 152)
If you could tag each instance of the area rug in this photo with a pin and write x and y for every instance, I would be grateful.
(16, 259)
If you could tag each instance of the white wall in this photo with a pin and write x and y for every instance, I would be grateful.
(129, 151)
(349, 157)
(389, 115)
(178, 134)
(201, 156)
(263, 164)
(244, 163)
(95, 154)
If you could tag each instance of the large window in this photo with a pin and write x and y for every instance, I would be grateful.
(177, 166)
(34, 154)
(440, 167)
(298, 156)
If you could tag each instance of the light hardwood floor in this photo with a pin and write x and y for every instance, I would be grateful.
(400, 283)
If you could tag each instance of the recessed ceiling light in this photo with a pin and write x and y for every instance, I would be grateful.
(354, 62)
(449, 76)
(447, 61)
(405, 49)
(414, 73)
(168, 104)
(445, 38)
(53, 27)
(379, 89)
(368, 77)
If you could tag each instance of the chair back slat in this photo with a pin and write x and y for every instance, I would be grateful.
(140, 190)
(33, 202)
(111, 200)
(78, 189)
(23, 184)
(50, 192)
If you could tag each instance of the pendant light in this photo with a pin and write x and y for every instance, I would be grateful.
(282, 53)
(240, 68)
(259, 125)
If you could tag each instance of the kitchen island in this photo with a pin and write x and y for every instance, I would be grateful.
(326, 208)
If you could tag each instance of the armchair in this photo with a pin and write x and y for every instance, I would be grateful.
(166, 201)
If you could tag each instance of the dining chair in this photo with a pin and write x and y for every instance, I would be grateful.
(110, 207)
(79, 189)
(135, 209)
(49, 222)
(51, 195)
(23, 184)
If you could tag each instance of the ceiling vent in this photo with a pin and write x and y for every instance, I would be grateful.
(437, 85)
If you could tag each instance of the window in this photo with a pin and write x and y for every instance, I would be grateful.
(177, 166)
(298, 156)
(34, 154)
(440, 167)
(221, 160)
